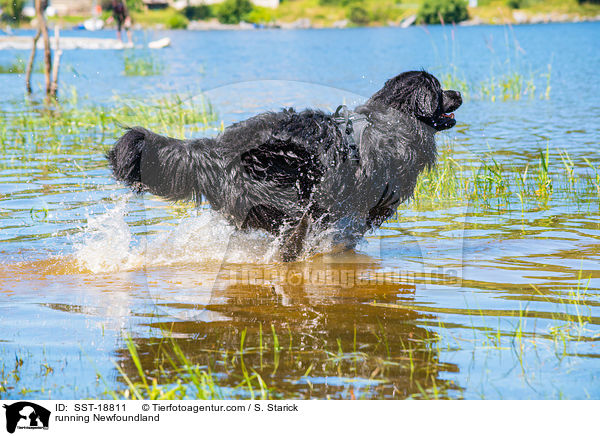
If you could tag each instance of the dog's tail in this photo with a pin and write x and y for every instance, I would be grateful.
(168, 167)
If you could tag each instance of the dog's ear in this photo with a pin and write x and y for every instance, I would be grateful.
(425, 102)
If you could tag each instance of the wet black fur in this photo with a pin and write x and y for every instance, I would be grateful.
(291, 172)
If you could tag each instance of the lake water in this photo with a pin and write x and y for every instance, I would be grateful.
(494, 297)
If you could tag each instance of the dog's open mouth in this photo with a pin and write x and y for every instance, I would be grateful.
(442, 122)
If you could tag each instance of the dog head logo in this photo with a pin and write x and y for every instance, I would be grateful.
(26, 415)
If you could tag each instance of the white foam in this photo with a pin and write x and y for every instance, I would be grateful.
(108, 244)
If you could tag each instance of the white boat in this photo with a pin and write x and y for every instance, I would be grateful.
(93, 24)
(160, 43)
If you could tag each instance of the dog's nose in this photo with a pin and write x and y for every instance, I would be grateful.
(452, 101)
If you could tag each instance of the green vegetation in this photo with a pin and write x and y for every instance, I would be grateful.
(16, 67)
(490, 184)
(241, 367)
(358, 15)
(324, 13)
(135, 5)
(442, 11)
(381, 12)
(70, 20)
(48, 126)
(233, 11)
(142, 64)
(132, 5)
(12, 11)
(515, 4)
(274, 361)
(168, 17)
(155, 17)
(202, 12)
(177, 21)
(509, 85)
(511, 77)
(260, 15)
(501, 11)
(174, 377)
(358, 12)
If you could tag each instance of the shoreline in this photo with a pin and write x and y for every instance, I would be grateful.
(518, 18)
(408, 22)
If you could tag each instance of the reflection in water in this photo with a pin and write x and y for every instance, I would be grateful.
(333, 341)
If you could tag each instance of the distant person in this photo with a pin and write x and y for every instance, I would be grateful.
(122, 18)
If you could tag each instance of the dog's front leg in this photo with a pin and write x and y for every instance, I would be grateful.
(293, 239)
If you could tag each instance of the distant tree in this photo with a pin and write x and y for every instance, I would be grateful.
(201, 12)
(12, 10)
(358, 15)
(450, 11)
(233, 11)
(515, 4)
(597, 2)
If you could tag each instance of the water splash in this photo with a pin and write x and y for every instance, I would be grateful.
(108, 244)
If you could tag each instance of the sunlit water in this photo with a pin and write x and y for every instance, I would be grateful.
(457, 300)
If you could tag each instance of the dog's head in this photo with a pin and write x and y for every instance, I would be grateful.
(420, 94)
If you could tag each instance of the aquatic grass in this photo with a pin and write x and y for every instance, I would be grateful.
(510, 85)
(17, 372)
(455, 79)
(569, 311)
(16, 67)
(569, 168)
(491, 184)
(544, 180)
(595, 178)
(142, 64)
(181, 379)
(172, 370)
(19, 66)
(48, 129)
(511, 78)
(575, 299)
(10, 378)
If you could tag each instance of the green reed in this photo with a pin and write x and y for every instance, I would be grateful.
(235, 370)
(18, 66)
(509, 85)
(510, 78)
(188, 382)
(49, 129)
(142, 64)
(492, 184)
(15, 67)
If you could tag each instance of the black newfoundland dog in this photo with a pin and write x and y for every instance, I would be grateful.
(294, 174)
